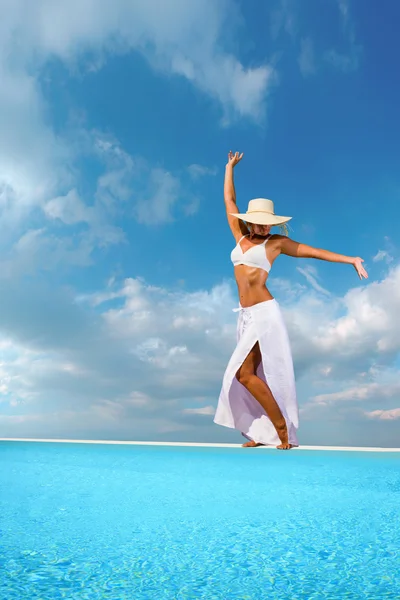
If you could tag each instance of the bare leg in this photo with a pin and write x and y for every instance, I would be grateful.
(261, 392)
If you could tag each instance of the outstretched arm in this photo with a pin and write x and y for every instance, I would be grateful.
(237, 226)
(292, 248)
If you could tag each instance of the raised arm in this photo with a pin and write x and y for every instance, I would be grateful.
(237, 226)
(292, 248)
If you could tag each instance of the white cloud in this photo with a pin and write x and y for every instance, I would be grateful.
(383, 255)
(348, 334)
(283, 19)
(344, 11)
(32, 158)
(204, 410)
(344, 56)
(135, 364)
(370, 391)
(307, 58)
(127, 187)
(40, 169)
(39, 249)
(384, 415)
(370, 318)
(287, 289)
(196, 171)
(69, 209)
(130, 359)
(175, 36)
(343, 62)
(310, 273)
(162, 196)
(348, 60)
(158, 196)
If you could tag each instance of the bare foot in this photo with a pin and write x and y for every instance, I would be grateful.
(251, 444)
(284, 446)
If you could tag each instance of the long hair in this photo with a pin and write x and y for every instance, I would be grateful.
(284, 229)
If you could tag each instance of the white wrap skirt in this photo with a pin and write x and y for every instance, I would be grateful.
(237, 408)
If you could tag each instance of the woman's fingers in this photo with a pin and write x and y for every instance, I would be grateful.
(234, 157)
(361, 272)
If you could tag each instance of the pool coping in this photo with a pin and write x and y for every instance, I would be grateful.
(198, 444)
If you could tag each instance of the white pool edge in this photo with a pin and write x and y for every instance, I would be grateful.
(197, 445)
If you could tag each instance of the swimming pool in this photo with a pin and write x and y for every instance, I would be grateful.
(91, 521)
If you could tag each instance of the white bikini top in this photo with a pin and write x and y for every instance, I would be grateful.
(253, 257)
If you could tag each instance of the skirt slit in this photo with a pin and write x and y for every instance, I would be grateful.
(237, 408)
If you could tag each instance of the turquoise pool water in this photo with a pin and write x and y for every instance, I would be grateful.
(123, 522)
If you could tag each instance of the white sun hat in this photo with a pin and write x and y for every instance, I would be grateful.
(261, 212)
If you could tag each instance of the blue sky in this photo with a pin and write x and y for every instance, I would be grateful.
(116, 288)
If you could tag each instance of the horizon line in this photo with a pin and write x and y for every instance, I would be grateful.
(197, 444)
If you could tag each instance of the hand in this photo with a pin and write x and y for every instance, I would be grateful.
(357, 264)
(233, 159)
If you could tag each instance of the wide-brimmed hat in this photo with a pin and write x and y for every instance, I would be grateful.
(261, 212)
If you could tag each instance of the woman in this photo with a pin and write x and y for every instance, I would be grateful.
(258, 395)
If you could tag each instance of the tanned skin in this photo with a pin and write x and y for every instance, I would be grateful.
(252, 289)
